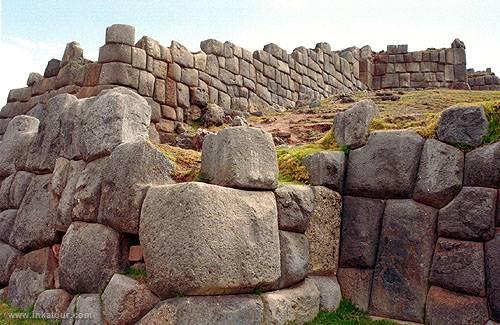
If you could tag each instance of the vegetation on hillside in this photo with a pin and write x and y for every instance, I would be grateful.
(347, 314)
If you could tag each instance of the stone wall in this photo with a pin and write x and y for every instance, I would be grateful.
(432, 68)
(483, 80)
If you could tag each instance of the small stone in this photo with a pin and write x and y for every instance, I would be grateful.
(350, 127)
(329, 291)
(52, 68)
(125, 300)
(33, 77)
(470, 215)
(213, 116)
(447, 307)
(294, 251)
(356, 285)
(295, 206)
(120, 33)
(326, 168)
(462, 125)
(54, 301)
(135, 253)
(298, 304)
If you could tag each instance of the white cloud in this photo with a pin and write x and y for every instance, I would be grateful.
(19, 57)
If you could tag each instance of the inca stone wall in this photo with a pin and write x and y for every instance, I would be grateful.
(483, 80)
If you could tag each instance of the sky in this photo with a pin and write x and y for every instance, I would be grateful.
(33, 32)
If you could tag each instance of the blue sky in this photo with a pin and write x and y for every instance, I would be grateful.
(32, 32)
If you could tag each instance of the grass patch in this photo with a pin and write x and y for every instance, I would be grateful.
(492, 110)
(346, 314)
(6, 310)
(136, 274)
(187, 162)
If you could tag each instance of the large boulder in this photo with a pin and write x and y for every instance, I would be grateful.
(208, 310)
(386, 167)
(459, 266)
(350, 127)
(482, 166)
(130, 170)
(440, 174)
(20, 133)
(462, 125)
(34, 226)
(405, 254)
(355, 285)
(125, 300)
(84, 309)
(33, 274)
(323, 232)
(90, 254)
(294, 251)
(240, 157)
(326, 168)
(52, 303)
(295, 305)
(447, 307)
(236, 248)
(295, 206)
(8, 258)
(329, 292)
(492, 261)
(361, 222)
(470, 216)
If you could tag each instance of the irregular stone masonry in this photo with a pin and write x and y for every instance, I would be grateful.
(483, 80)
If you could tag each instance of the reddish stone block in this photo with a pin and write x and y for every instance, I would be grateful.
(355, 285)
(135, 253)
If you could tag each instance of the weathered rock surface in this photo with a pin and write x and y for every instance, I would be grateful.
(125, 300)
(447, 307)
(350, 127)
(295, 205)
(326, 168)
(214, 115)
(401, 274)
(54, 301)
(462, 125)
(482, 166)
(130, 170)
(84, 309)
(7, 220)
(393, 157)
(294, 251)
(5, 191)
(470, 216)
(89, 270)
(356, 285)
(18, 188)
(298, 304)
(8, 258)
(323, 231)
(361, 221)
(240, 157)
(440, 174)
(239, 255)
(33, 273)
(492, 261)
(34, 226)
(229, 309)
(329, 292)
(459, 266)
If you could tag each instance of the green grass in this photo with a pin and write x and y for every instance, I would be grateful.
(137, 274)
(346, 314)
(6, 310)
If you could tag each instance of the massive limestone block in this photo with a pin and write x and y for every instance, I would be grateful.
(120, 33)
(459, 266)
(117, 73)
(34, 226)
(53, 301)
(351, 126)
(329, 291)
(240, 157)
(294, 251)
(386, 167)
(181, 55)
(440, 174)
(492, 261)
(85, 304)
(296, 305)
(356, 285)
(326, 168)
(18, 188)
(125, 300)
(406, 247)
(8, 258)
(33, 274)
(16, 142)
(130, 170)
(62, 190)
(90, 254)
(323, 231)
(295, 205)
(361, 222)
(462, 125)
(482, 166)
(470, 216)
(7, 220)
(208, 310)
(216, 241)
(447, 307)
